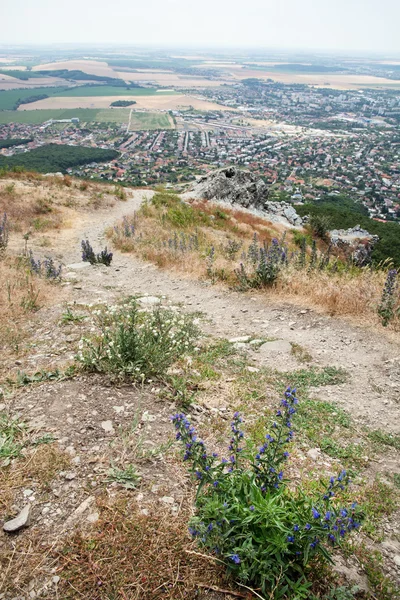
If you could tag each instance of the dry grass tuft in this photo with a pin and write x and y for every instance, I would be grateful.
(39, 466)
(129, 555)
(351, 294)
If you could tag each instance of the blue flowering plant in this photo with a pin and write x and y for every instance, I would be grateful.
(387, 306)
(267, 533)
(4, 232)
(88, 254)
(45, 268)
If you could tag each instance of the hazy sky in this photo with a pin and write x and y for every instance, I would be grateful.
(316, 24)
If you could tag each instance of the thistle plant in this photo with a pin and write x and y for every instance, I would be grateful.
(386, 308)
(264, 531)
(4, 232)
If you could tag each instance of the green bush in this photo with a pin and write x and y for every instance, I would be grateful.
(136, 343)
(266, 532)
(320, 225)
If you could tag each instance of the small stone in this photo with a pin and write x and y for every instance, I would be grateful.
(168, 500)
(396, 560)
(21, 520)
(28, 493)
(70, 476)
(107, 426)
(147, 417)
(93, 517)
(56, 579)
(253, 369)
(243, 338)
(239, 345)
(149, 300)
(314, 453)
(119, 409)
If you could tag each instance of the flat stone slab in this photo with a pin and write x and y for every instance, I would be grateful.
(240, 339)
(149, 300)
(21, 520)
(78, 266)
(276, 347)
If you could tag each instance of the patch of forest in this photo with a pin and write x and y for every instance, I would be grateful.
(54, 157)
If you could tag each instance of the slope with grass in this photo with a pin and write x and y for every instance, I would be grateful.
(109, 490)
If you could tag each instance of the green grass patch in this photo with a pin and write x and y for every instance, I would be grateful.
(385, 439)
(11, 438)
(378, 500)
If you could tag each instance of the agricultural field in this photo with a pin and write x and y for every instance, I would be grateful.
(144, 120)
(9, 98)
(93, 67)
(90, 115)
(337, 81)
(171, 101)
(166, 78)
(109, 90)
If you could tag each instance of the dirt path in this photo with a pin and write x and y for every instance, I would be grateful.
(371, 393)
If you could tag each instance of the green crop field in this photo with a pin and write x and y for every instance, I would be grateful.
(35, 117)
(8, 98)
(139, 120)
(150, 121)
(109, 90)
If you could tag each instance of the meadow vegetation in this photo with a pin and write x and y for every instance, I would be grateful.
(243, 251)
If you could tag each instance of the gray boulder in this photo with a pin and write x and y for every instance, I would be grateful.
(233, 185)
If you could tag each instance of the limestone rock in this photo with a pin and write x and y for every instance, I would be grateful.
(20, 521)
(233, 185)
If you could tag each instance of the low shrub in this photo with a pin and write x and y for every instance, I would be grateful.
(266, 532)
(137, 344)
(88, 255)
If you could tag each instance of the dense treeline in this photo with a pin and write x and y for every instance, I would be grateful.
(123, 103)
(9, 142)
(54, 157)
(30, 99)
(343, 213)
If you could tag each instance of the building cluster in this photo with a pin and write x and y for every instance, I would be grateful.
(306, 143)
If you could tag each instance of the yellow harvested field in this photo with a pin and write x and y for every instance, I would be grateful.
(340, 82)
(93, 67)
(10, 83)
(164, 78)
(7, 78)
(167, 102)
(13, 67)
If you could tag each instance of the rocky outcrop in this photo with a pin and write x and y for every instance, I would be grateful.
(232, 185)
(356, 242)
(241, 188)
